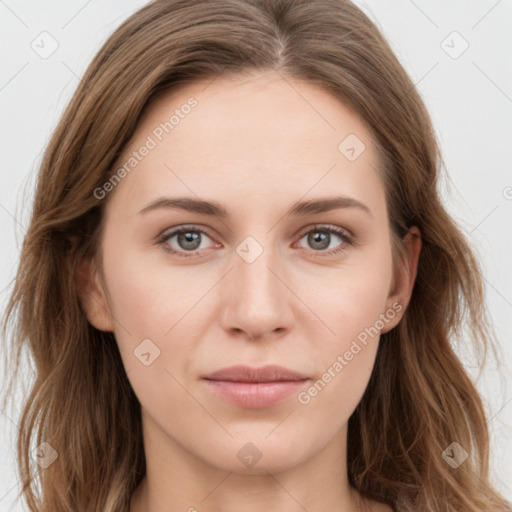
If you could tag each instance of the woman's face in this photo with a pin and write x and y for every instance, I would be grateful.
(267, 282)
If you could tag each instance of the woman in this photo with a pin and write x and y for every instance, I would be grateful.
(239, 284)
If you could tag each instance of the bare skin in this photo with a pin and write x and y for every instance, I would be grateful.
(256, 146)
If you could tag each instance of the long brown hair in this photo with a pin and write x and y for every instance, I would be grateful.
(419, 399)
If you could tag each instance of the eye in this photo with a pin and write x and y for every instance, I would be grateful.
(320, 238)
(188, 240)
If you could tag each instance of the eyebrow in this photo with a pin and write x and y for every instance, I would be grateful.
(215, 209)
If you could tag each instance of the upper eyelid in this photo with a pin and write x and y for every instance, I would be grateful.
(327, 227)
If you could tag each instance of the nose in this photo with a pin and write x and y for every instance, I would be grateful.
(258, 301)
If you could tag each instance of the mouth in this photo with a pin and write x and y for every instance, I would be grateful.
(255, 387)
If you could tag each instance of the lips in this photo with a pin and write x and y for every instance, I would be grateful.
(255, 388)
(269, 373)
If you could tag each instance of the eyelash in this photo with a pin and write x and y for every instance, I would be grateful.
(346, 238)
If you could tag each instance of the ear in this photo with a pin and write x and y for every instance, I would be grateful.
(92, 296)
(403, 284)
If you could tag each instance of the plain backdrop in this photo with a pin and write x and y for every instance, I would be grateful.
(458, 55)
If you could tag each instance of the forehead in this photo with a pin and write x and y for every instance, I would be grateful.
(249, 138)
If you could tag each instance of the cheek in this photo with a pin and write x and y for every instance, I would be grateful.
(352, 307)
(152, 329)
(158, 303)
(350, 299)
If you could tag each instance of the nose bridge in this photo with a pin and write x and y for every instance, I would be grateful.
(258, 301)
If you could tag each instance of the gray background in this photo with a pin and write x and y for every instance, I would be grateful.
(468, 93)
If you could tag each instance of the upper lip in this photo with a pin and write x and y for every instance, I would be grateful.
(269, 373)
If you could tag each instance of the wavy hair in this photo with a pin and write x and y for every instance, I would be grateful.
(420, 398)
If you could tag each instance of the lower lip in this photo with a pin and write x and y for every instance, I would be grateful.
(255, 395)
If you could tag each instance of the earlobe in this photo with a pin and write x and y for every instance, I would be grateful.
(92, 296)
(405, 278)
